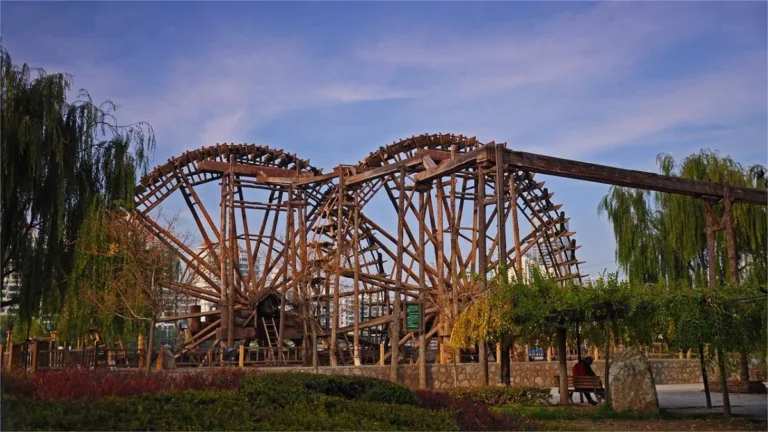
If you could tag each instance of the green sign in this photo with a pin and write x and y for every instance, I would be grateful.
(413, 317)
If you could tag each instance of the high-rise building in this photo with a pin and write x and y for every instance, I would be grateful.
(200, 282)
(11, 289)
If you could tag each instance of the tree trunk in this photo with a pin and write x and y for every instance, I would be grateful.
(607, 360)
(506, 372)
(148, 361)
(744, 366)
(724, 383)
(483, 354)
(561, 332)
(704, 376)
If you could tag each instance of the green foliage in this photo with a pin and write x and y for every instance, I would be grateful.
(58, 158)
(503, 396)
(263, 402)
(533, 312)
(36, 328)
(733, 319)
(719, 316)
(117, 282)
(662, 237)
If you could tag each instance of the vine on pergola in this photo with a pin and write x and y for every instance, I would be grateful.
(732, 319)
(533, 311)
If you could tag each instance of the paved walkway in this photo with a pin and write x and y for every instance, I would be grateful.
(685, 399)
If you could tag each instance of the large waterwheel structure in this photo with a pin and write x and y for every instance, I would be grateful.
(322, 263)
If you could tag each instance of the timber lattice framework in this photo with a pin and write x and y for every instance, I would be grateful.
(320, 264)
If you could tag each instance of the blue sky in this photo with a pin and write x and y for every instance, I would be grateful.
(613, 83)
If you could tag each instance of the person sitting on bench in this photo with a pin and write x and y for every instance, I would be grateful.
(584, 368)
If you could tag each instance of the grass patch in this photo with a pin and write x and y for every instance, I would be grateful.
(572, 412)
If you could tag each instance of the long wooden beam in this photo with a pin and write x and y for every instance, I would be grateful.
(629, 178)
(595, 173)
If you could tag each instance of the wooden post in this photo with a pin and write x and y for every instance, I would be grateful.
(688, 354)
(562, 353)
(481, 262)
(356, 287)
(395, 327)
(382, 354)
(241, 357)
(34, 355)
(441, 289)
(339, 246)
(315, 360)
(289, 249)
(423, 286)
(712, 267)
(160, 358)
(234, 258)
(52, 350)
(224, 258)
(595, 353)
(733, 270)
(140, 349)
(455, 354)
(549, 354)
(515, 226)
(501, 230)
(680, 355)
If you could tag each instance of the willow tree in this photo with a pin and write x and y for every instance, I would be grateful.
(662, 237)
(120, 283)
(58, 158)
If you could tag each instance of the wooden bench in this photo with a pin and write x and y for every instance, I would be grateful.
(580, 384)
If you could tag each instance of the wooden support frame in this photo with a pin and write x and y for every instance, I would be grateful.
(318, 246)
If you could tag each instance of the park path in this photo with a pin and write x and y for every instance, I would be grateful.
(688, 399)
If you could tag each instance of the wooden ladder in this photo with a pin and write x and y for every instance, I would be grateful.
(270, 328)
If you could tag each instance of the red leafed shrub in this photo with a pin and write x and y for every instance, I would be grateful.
(469, 414)
(84, 383)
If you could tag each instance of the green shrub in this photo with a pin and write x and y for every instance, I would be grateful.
(390, 394)
(501, 395)
(293, 401)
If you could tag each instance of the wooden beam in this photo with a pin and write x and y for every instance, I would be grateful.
(251, 170)
(628, 178)
(451, 166)
(419, 159)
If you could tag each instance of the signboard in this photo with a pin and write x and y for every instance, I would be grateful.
(414, 317)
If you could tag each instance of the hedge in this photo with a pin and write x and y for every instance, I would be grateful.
(293, 401)
(502, 396)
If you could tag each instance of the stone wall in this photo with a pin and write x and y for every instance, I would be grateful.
(528, 374)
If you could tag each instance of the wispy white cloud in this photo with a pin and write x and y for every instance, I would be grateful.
(570, 83)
